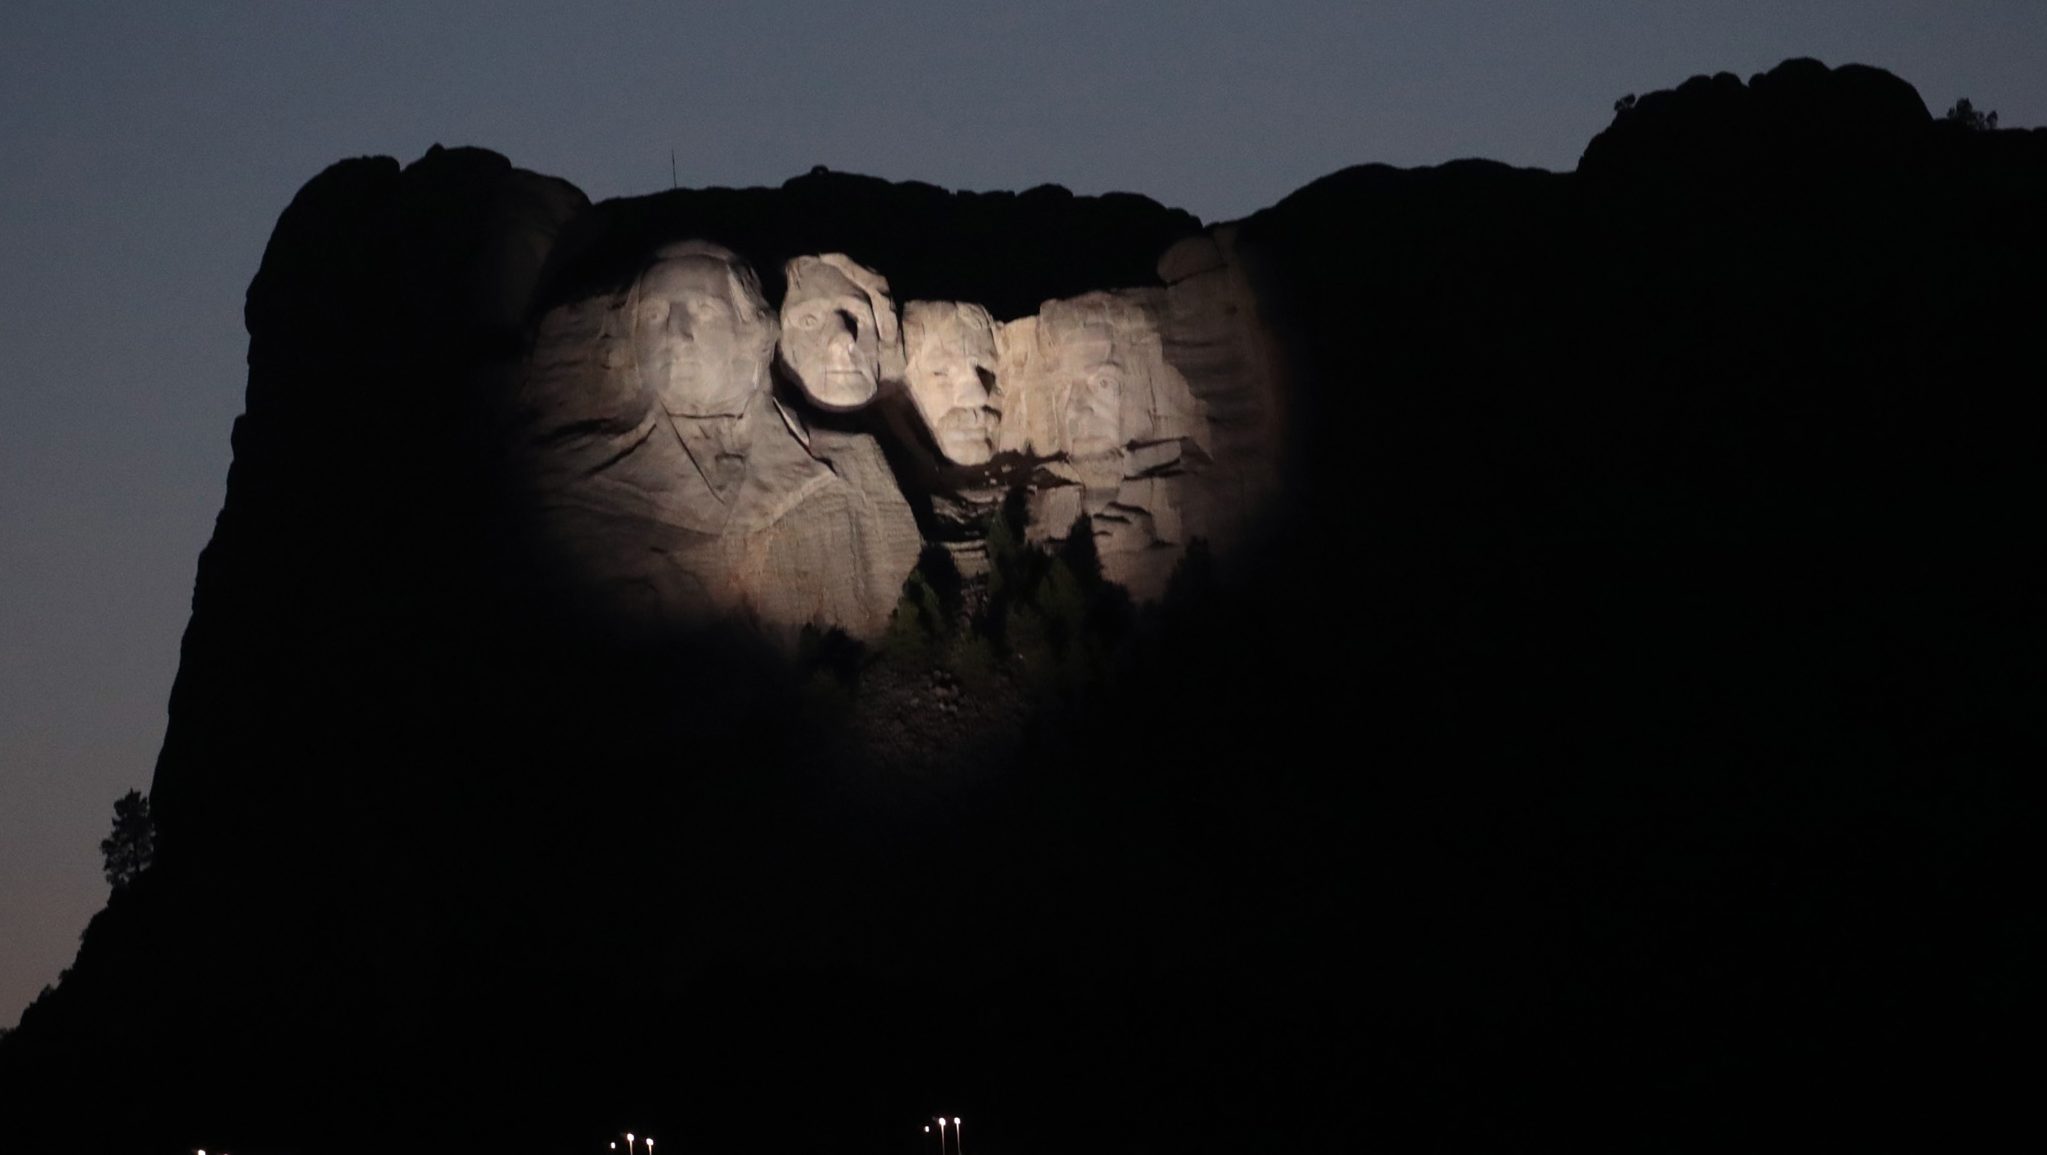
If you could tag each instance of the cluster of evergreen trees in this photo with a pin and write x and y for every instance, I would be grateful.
(1045, 615)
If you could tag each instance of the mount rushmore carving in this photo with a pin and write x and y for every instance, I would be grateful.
(691, 451)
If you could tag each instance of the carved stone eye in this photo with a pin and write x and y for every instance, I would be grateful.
(807, 321)
(653, 312)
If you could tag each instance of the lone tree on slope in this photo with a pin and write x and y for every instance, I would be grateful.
(132, 846)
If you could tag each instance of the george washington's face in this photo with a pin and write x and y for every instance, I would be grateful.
(951, 375)
(701, 336)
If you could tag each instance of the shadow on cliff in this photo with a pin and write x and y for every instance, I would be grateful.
(1622, 736)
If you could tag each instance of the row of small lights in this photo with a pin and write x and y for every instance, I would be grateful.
(631, 1139)
(941, 1135)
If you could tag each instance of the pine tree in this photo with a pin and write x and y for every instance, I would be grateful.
(132, 846)
(1967, 115)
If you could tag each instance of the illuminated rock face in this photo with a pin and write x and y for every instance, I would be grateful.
(683, 458)
(953, 377)
(667, 486)
(700, 332)
(1215, 340)
(1154, 412)
(1092, 394)
(840, 339)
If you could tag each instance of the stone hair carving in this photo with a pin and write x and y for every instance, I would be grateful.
(840, 339)
(952, 371)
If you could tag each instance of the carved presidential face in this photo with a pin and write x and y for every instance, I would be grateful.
(952, 377)
(701, 332)
(1092, 416)
(839, 331)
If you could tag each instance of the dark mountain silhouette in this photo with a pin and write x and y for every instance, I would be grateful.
(1626, 737)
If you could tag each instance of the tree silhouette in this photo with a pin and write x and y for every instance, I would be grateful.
(1966, 114)
(132, 846)
(919, 619)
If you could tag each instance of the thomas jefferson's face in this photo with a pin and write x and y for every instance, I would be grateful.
(952, 378)
(830, 340)
(701, 345)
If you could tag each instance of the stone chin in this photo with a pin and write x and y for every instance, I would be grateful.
(698, 391)
(967, 444)
(838, 389)
(1093, 448)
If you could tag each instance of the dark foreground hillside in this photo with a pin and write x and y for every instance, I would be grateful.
(1627, 738)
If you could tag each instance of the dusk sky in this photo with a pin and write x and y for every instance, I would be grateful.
(149, 148)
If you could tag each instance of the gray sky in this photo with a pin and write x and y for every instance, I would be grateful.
(146, 150)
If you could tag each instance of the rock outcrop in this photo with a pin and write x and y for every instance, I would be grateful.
(689, 452)
(667, 485)
(1156, 413)
(1115, 426)
(1648, 544)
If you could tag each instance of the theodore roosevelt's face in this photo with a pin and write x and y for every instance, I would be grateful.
(700, 342)
(951, 374)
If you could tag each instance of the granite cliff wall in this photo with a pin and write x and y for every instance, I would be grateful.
(1621, 704)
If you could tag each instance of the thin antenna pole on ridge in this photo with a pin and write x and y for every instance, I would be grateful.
(671, 168)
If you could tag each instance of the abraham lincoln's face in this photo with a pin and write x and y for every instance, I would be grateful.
(1091, 378)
